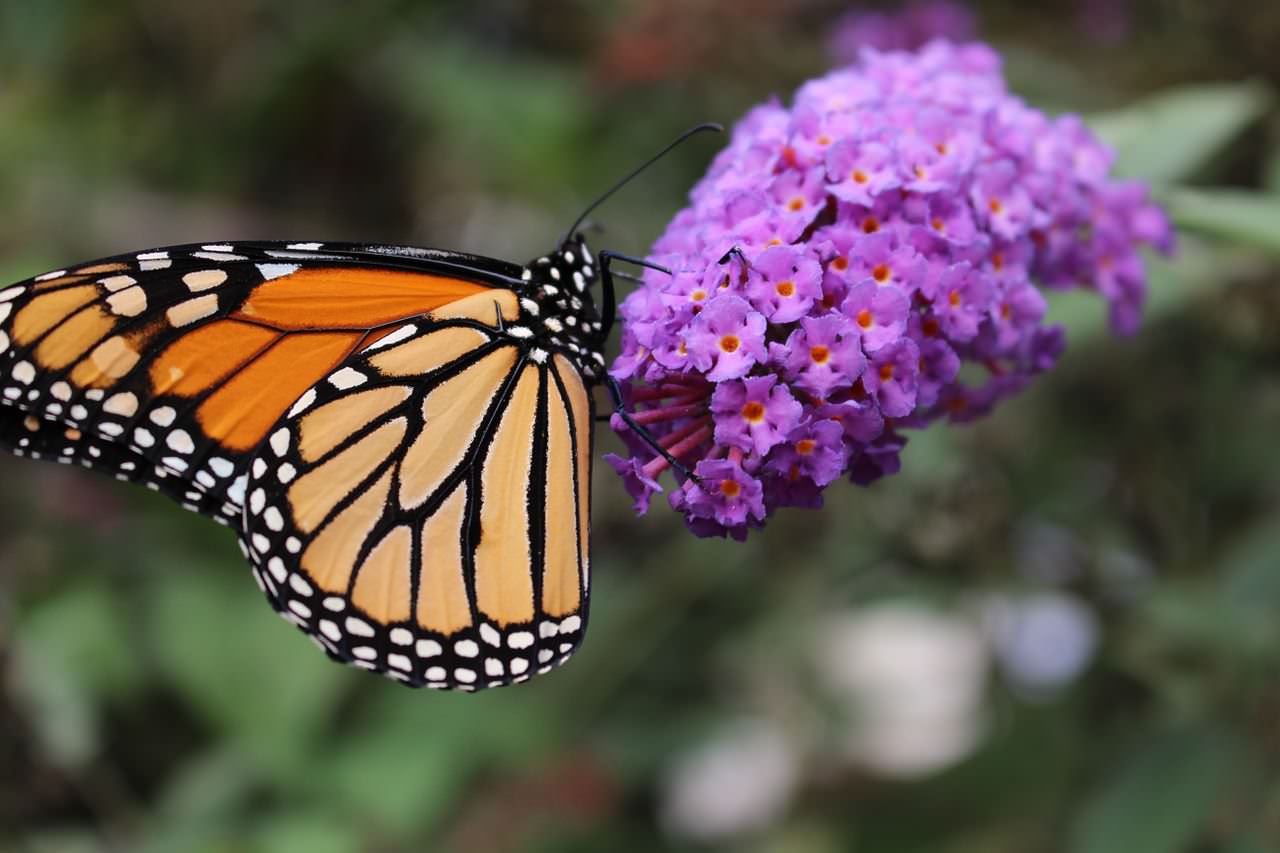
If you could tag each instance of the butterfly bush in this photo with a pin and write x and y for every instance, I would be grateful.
(869, 260)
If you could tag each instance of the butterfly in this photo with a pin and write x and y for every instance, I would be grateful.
(401, 437)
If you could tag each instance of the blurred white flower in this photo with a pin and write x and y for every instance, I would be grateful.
(737, 783)
(914, 679)
(1042, 641)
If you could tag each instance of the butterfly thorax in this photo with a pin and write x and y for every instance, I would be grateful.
(557, 309)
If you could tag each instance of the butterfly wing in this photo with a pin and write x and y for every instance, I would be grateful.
(169, 367)
(423, 511)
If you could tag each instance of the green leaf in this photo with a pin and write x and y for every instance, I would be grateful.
(1161, 798)
(257, 679)
(1240, 216)
(72, 655)
(1170, 136)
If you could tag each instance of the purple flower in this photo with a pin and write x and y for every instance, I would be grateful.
(869, 260)
(726, 339)
(859, 171)
(724, 493)
(754, 414)
(879, 311)
(960, 298)
(639, 484)
(1003, 204)
(784, 284)
(939, 365)
(823, 355)
(860, 419)
(817, 452)
(891, 377)
(884, 258)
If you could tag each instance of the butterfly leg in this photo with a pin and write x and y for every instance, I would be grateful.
(610, 304)
(619, 406)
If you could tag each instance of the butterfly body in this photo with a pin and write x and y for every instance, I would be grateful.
(401, 437)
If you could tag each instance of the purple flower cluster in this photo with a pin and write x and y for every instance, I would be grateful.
(840, 263)
(906, 29)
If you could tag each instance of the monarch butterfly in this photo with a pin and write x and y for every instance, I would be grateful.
(401, 437)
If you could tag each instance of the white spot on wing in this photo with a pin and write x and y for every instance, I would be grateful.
(395, 337)
(304, 403)
(274, 271)
(204, 279)
(347, 378)
(220, 257)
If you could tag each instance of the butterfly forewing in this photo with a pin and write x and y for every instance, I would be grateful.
(426, 515)
(184, 358)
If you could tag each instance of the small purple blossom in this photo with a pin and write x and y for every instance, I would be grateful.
(784, 284)
(754, 414)
(723, 493)
(880, 312)
(816, 451)
(822, 356)
(840, 264)
(891, 377)
(726, 339)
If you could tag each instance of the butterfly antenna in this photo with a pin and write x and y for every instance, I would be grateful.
(646, 164)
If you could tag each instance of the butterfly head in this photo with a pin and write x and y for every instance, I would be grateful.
(558, 301)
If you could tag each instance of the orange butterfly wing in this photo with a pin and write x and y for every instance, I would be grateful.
(180, 360)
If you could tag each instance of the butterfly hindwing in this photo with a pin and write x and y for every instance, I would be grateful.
(422, 512)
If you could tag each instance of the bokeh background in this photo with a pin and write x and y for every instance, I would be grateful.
(1058, 629)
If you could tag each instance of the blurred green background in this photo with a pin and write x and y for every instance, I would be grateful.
(1055, 630)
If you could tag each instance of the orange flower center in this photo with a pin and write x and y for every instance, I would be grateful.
(698, 295)
(796, 204)
(730, 343)
(841, 263)
(941, 148)
(864, 318)
(997, 262)
(1005, 313)
(881, 273)
(730, 488)
(776, 241)
(682, 349)
(823, 140)
(995, 205)
(786, 288)
(886, 372)
(938, 224)
(870, 225)
(753, 412)
(953, 298)
(859, 176)
(819, 354)
(920, 172)
(805, 446)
